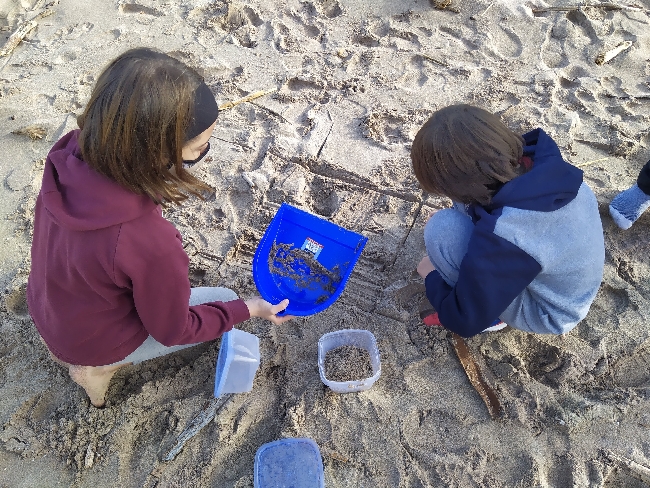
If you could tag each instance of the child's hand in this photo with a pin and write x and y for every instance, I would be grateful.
(258, 307)
(425, 267)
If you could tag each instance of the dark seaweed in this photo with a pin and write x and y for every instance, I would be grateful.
(302, 267)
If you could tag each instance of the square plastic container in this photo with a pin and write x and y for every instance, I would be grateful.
(239, 358)
(289, 463)
(350, 337)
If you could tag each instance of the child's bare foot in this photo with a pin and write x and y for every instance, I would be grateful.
(94, 380)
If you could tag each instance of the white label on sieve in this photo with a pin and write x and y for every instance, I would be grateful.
(312, 246)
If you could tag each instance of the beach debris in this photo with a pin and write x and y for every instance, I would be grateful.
(89, 459)
(587, 163)
(604, 5)
(22, 30)
(34, 132)
(639, 471)
(433, 60)
(441, 4)
(602, 58)
(335, 455)
(477, 376)
(196, 425)
(444, 5)
(301, 266)
(248, 180)
(247, 98)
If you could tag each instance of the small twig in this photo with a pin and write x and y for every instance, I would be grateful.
(235, 143)
(434, 60)
(486, 10)
(200, 421)
(606, 6)
(23, 29)
(582, 165)
(247, 98)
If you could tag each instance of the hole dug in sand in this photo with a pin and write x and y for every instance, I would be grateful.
(16, 301)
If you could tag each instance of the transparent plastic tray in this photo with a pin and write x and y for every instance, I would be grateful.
(349, 337)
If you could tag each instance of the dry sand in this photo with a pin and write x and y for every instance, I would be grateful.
(354, 79)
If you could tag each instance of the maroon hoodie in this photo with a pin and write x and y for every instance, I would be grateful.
(108, 270)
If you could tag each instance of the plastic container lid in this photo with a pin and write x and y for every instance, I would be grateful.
(289, 463)
(237, 363)
(280, 272)
(349, 337)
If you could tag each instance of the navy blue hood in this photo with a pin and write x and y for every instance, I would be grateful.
(548, 186)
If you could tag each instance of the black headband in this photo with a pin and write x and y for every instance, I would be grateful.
(205, 112)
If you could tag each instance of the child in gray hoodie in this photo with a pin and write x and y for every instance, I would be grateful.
(524, 242)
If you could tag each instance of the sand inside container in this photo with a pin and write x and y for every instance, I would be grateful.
(347, 363)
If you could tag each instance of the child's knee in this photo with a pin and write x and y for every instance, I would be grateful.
(207, 294)
(445, 226)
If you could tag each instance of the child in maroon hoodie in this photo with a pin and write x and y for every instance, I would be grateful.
(109, 278)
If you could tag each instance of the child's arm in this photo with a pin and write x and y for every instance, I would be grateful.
(151, 263)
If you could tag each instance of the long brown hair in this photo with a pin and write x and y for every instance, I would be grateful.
(465, 153)
(133, 128)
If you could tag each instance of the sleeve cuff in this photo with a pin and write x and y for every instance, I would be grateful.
(436, 288)
(238, 310)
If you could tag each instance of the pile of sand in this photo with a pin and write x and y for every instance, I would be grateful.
(354, 80)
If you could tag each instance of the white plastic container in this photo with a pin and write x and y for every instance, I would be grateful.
(350, 337)
(239, 358)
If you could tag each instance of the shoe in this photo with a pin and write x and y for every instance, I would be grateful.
(628, 205)
(496, 325)
(428, 314)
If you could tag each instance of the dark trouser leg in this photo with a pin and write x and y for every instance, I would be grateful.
(643, 181)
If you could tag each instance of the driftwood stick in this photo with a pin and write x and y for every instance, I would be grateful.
(247, 98)
(606, 6)
(476, 375)
(23, 29)
(201, 420)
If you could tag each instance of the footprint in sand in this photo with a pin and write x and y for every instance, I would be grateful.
(239, 16)
(135, 8)
(369, 34)
(423, 70)
(633, 371)
(385, 127)
(460, 36)
(329, 8)
(283, 40)
(613, 86)
(242, 22)
(307, 20)
(505, 43)
(552, 51)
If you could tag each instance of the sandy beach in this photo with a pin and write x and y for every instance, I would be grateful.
(349, 84)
